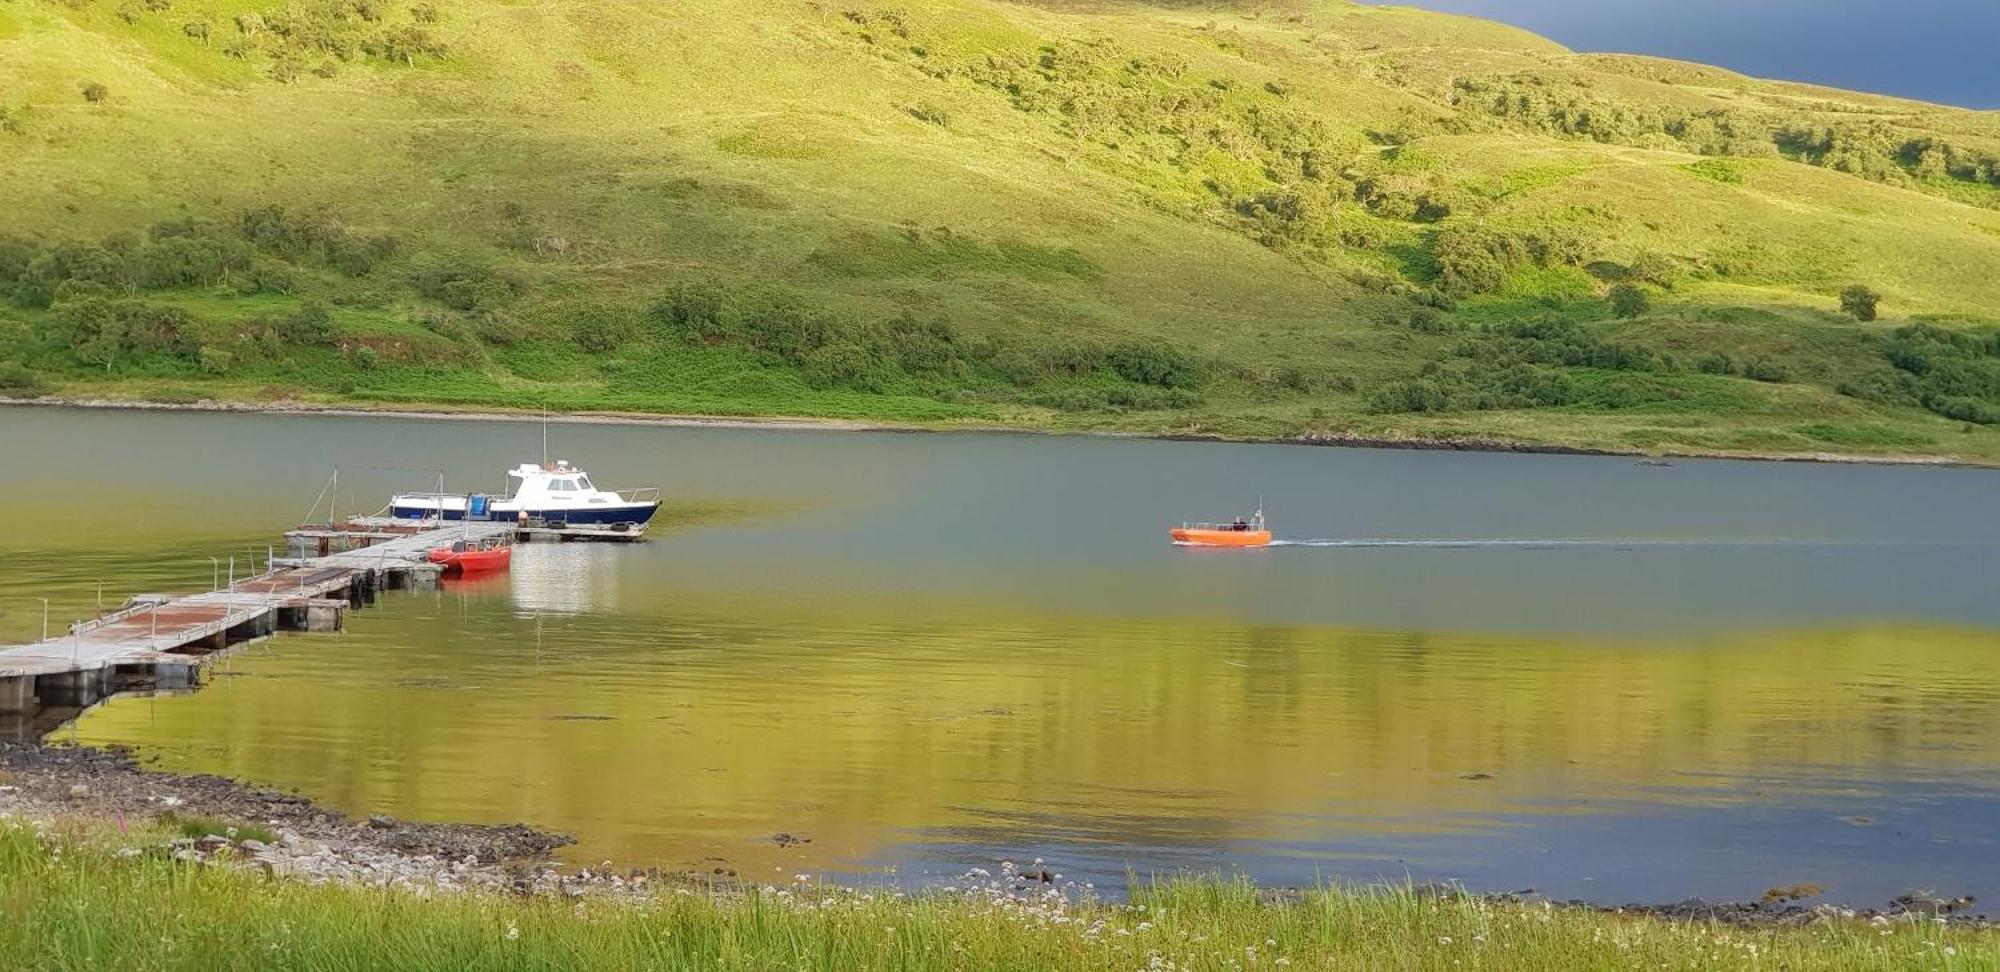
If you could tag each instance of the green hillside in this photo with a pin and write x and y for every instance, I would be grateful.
(1292, 219)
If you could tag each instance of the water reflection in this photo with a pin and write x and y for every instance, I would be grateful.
(926, 652)
(937, 742)
(562, 578)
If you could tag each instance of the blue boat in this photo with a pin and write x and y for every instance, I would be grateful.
(559, 495)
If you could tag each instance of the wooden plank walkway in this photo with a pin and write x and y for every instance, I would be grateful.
(404, 551)
(155, 625)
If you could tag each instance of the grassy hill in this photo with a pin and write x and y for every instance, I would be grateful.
(1287, 219)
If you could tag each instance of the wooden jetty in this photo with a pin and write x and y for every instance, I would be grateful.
(157, 641)
(321, 540)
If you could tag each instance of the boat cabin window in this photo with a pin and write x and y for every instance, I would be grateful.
(583, 483)
(563, 486)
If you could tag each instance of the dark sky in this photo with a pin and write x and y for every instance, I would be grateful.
(1937, 50)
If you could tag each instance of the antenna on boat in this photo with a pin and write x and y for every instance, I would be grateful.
(545, 436)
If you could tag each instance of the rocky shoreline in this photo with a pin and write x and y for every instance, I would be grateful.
(313, 843)
(40, 783)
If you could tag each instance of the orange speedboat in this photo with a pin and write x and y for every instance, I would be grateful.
(1241, 532)
(465, 558)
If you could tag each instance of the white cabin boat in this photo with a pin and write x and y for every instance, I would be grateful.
(559, 495)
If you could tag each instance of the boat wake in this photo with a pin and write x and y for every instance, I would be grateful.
(1557, 543)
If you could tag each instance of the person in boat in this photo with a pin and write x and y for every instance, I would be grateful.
(1241, 525)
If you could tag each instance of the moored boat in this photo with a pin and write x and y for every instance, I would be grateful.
(468, 558)
(1241, 532)
(559, 495)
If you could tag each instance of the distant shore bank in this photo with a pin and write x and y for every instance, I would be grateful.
(794, 423)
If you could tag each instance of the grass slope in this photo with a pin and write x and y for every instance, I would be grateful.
(1284, 219)
(74, 901)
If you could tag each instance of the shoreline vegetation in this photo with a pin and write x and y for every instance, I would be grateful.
(1314, 220)
(422, 412)
(104, 864)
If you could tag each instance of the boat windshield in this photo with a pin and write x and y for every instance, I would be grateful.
(583, 483)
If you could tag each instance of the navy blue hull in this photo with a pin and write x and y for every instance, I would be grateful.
(583, 516)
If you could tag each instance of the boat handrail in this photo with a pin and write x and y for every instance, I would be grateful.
(1247, 523)
(642, 494)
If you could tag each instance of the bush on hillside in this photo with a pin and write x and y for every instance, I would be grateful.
(1425, 320)
(1525, 364)
(102, 332)
(689, 310)
(18, 382)
(848, 365)
(1149, 364)
(1953, 373)
(599, 330)
(1654, 268)
(95, 92)
(462, 285)
(1628, 301)
(1715, 363)
(1473, 260)
(1761, 368)
(1859, 302)
(310, 325)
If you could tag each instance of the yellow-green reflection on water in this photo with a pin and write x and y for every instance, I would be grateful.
(928, 652)
(683, 734)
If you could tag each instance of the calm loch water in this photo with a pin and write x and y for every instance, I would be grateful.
(924, 653)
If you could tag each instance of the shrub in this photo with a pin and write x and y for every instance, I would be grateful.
(1473, 261)
(404, 45)
(1859, 301)
(782, 324)
(498, 328)
(1070, 359)
(215, 361)
(1962, 409)
(928, 346)
(1424, 320)
(1629, 301)
(358, 256)
(267, 277)
(1715, 363)
(1117, 399)
(925, 111)
(599, 330)
(847, 365)
(310, 325)
(1155, 365)
(1953, 373)
(1653, 268)
(1411, 395)
(16, 380)
(688, 310)
(197, 29)
(1434, 298)
(95, 92)
(462, 286)
(1761, 368)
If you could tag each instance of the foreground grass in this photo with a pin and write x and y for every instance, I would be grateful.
(80, 899)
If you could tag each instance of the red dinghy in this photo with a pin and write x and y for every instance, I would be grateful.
(464, 558)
